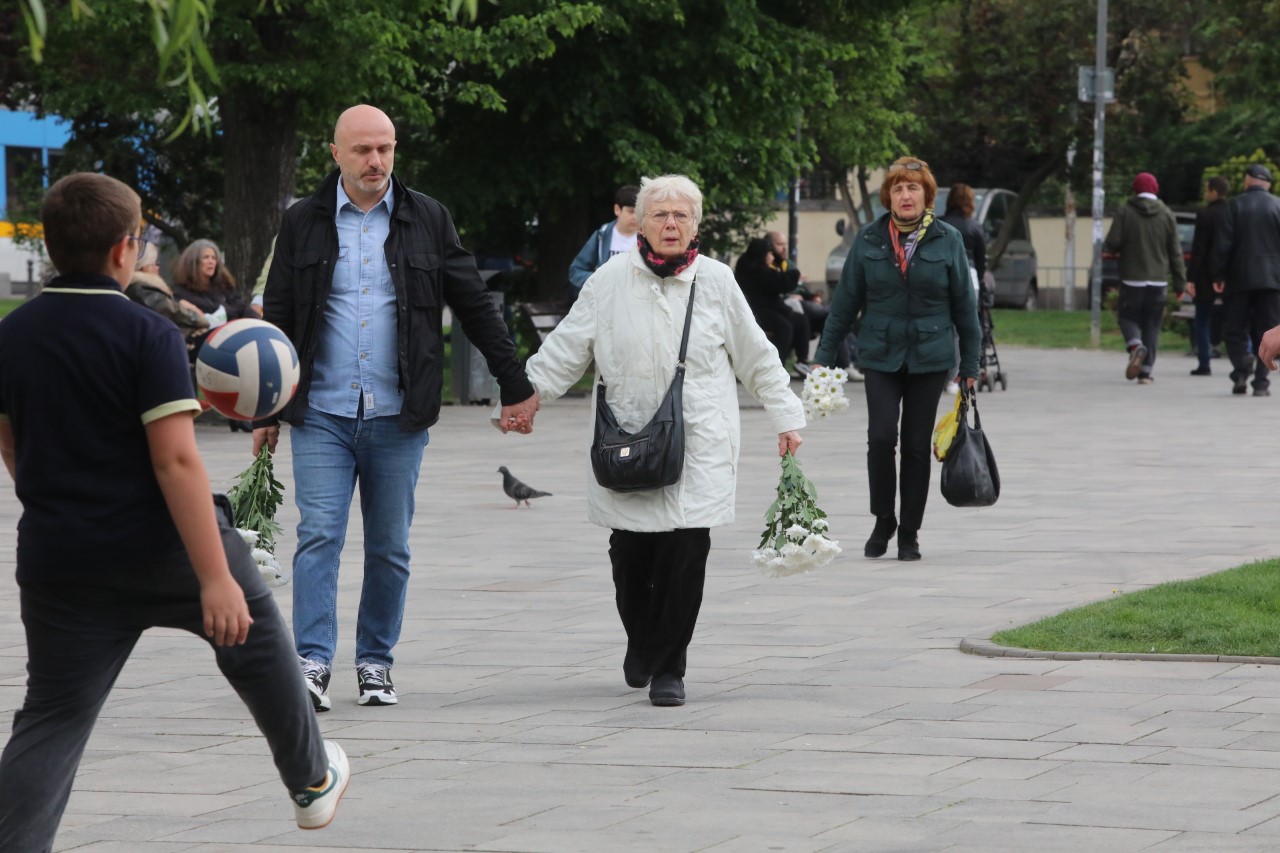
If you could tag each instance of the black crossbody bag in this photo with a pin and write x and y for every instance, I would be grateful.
(653, 456)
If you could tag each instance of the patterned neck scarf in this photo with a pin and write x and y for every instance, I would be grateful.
(662, 267)
(905, 247)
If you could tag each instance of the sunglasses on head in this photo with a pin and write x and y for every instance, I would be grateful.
(913, 166)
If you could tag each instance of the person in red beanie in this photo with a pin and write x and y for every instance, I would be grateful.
(1144, 234)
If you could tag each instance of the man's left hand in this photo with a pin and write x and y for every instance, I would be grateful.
(519, 417)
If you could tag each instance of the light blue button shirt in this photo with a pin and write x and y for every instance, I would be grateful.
(356, 347)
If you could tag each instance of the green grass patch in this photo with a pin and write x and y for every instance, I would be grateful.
(7, 305)
(1053, 329)
(1226, 613)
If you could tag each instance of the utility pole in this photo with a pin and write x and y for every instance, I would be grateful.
(793, 206)
(1100, 78)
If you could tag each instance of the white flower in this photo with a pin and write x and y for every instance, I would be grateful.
(250, 537)
(821, 549)
(819, 525)
(790, 549)
(797, 532)
(796, 525)
(839, 375)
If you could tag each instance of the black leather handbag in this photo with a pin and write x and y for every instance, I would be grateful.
(969, 473)
(653, 456)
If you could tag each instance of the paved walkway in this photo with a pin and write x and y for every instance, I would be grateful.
(826, 712)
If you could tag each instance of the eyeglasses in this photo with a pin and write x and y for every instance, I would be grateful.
(913, 166)
(141, 242)
(679, 216)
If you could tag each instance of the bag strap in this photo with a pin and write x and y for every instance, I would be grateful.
(971, 400)
(688, 319)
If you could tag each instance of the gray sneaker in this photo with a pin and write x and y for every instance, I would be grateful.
(375, 684)
(316, 676)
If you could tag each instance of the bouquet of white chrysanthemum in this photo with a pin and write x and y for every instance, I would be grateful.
(254, 501)
(795, 529)
(823, 392)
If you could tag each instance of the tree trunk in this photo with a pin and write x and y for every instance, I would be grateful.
(1025, 192)
(260, 143)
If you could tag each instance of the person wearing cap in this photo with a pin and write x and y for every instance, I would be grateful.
(1246, 269)
(1199, 279)
(1144, 233)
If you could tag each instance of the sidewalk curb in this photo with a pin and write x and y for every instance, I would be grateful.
(985, 648)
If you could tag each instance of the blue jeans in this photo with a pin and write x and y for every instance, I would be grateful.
(330, 455)
(1201, 329)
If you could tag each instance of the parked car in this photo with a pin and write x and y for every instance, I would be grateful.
(1015, 272)
(1111, 260)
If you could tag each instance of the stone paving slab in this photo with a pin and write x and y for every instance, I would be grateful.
(828, 712)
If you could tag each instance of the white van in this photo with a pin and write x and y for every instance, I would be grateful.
(1015, 274)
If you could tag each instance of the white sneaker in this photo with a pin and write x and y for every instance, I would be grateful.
(375, 684)
(803, 369)
(854, 375)
(952, 388)
(316, 676)
(315, 807)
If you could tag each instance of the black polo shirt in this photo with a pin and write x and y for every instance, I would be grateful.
(82, 371)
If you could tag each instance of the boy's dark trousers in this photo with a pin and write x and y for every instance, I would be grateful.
(79, 635)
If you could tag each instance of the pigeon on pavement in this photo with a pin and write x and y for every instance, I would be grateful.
(517, 490)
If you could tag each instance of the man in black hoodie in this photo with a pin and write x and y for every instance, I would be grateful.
(1145, 235)
(1199, 279)
(1246, 267)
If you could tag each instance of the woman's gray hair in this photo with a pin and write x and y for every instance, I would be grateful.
(665, 188)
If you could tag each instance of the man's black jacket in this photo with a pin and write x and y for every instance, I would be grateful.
(429, 269)
(1247, 254)
(1208, 224)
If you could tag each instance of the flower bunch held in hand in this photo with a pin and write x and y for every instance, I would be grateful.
(795, 529)
(823, 392)
(254, 501)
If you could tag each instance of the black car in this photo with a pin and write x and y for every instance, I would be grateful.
(1111, 260)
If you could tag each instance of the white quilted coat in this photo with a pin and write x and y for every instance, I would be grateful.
(629, 321)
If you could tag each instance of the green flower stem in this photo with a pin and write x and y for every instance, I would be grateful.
(255, 499)
(797, 503)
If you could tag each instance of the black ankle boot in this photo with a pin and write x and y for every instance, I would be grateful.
(908, 544)
(880, 536)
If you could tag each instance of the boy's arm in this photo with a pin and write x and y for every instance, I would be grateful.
(185, 485)
(6, 447)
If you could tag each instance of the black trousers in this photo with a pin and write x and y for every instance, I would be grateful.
(1250, 313)
(914, 398)
(658, 580)
(79, 636)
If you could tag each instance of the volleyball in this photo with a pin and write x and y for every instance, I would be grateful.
(247, 369)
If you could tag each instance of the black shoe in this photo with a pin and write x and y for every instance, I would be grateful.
(667, 691)
(1240, 385)
(1202, 371)
(878, 544)
(1262, 392)
(632, 673)
(908, 544)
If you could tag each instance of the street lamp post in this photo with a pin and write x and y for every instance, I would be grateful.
(1099, 119)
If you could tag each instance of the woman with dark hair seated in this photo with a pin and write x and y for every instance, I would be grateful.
(764, 286)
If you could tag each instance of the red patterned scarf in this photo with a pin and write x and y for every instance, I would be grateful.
(662, 267)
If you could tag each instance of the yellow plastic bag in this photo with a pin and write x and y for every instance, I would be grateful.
(945, 431)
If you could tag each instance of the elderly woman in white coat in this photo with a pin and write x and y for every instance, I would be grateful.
(629, 319)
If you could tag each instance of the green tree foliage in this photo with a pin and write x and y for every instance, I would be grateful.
(710, 88)
(285, 68)
(999, 103)
(1233, 168)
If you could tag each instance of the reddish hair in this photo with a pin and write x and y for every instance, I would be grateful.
(898, 172)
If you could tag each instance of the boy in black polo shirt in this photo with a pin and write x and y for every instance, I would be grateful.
(118, 530)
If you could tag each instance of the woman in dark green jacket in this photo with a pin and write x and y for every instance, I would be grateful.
(907, 277)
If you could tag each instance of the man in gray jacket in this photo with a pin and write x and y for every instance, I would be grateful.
(1145, 235)
(1246, 267)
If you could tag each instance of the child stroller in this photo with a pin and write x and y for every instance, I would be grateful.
(989, 372)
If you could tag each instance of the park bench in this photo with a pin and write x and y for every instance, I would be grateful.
(543, 316)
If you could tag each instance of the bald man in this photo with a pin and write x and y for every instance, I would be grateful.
(362, 270)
